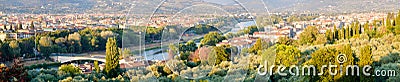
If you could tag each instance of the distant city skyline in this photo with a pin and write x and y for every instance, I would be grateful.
(146, 6)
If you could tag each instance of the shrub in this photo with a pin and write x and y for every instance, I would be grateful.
(69, 69)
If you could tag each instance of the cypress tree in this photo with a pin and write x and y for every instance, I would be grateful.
(329, 35)
(345, 32)
(365, 59)
(11, 27)
(112, 68)
(353, 29)
(341, 34)
(335, 33)
(366, 27)
(398, 18)
(348, 34)
(32, 25)
(388, 23)
(96, 66)
(19, 26)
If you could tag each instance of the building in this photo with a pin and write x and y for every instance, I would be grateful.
(6, 36)
(239, 42)
(272, 36)
(25, 33)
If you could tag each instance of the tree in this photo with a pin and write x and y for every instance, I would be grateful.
(184, 55)
(257, 46)
(358, 28)
(60, 41)
(347, 32)
(211, 39)
(268, 56)
(341, 34)
(70, 69)
(365, 56)
(251, 29)
(14, 49)
(329, 36)
(96, 66)
(112, 68)
(322, 57)
(32, 25)
(221, 53)
(321, 39)
(153, 34)
(397, 20)
(335, 33)
(191, 46)
(19, 27)
(346, 50)
(366, 27)
(287, 55)
(107, 34)
(45, 44)
(397, 29)
(16, 71)
(85, 43)
(126, 53)
(203, 28)
(309, 35)
(388, 23)
(365, 59)
(94, 42)
(285, 41)
(355, 28)
(4, 27)
(26, 46)
(173, 50)
(75, 41)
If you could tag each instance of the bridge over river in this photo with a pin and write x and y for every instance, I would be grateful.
(66, 59)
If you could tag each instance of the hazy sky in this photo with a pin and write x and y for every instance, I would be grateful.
(222, 2)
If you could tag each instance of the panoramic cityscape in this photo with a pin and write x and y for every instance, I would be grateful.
(199, 41)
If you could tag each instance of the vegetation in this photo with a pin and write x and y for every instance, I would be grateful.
(376, 44)
(251, 29)
(69, 69)
(212, 39)
(112, 68)
(14, 73)
(58, 42)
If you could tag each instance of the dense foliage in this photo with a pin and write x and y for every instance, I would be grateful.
(376, 44)
(112, 67)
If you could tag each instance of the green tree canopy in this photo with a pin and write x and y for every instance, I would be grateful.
(285, 41)
(309, 35)
(45, 44)
(321, 39)
(96, 66)
(112, 68)
(71, 69)
(251, 29)
(14, 49)
(222, 53)
(287, 55)
(191, 46)
(257, 46)
(212, 39)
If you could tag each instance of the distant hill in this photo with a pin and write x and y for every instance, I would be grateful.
(171, 6)
(339, 6)
(45, 6)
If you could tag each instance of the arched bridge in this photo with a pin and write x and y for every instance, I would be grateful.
(65, 59)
